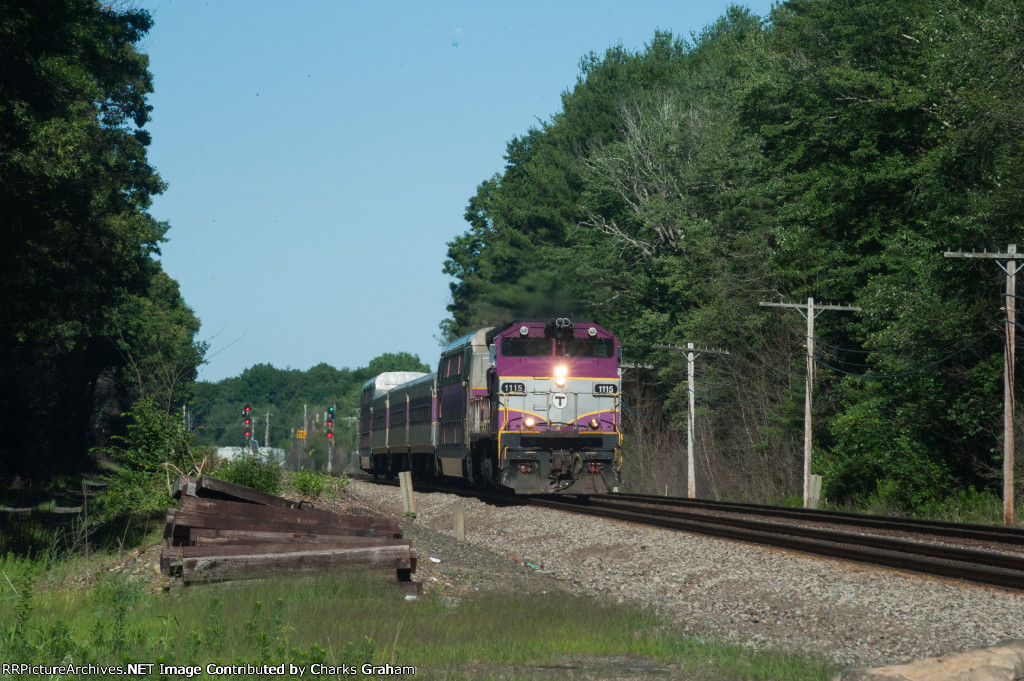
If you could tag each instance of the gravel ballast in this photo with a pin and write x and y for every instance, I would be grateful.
(848, 613)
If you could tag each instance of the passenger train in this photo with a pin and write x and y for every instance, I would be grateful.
(531, 406)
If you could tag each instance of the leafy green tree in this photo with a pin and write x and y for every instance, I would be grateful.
(287, 394)
(835, 150)
(155, 450)
(155, 336)
(871, 180)
(77, 244)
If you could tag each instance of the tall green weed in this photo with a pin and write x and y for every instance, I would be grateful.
(156, 449)
(255, 470)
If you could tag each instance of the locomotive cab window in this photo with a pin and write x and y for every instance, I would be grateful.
(585, 347)
(525, 347)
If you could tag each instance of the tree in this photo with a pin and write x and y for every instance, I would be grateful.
(77, 246)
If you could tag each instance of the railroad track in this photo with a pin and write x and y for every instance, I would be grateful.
(851, 536)
(979, 533)
(916, 554)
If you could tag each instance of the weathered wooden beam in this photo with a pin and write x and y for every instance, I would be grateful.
(170, 561)
(184, 521)
(341, 543)
(206, 537)
(184, 485)
(212, 568)
(311, 517)
(220, 489)
(169, 527)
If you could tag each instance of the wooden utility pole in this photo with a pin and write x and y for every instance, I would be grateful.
(1011, 268)
(691, 484)
(266, 431)
(808, 398)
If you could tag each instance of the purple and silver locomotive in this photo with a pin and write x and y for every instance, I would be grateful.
(531, 406)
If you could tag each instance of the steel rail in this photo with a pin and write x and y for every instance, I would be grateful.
(955, 553)
(990, 533)
(986, 568)
(953, 562)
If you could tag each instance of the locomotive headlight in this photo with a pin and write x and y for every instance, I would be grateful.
(529, 422)
(594, 423)
(561, 375)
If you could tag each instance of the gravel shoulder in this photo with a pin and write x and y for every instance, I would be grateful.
(759, 596)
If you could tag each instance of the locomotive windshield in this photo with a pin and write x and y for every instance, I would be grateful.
(525, 347)
(564, 347)
(585, 347)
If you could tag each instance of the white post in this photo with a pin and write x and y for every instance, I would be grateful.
(405, 483)
(459, 521)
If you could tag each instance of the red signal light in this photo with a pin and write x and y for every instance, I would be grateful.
(247, 422)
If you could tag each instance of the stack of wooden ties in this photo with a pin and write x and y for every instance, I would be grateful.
(221, 531)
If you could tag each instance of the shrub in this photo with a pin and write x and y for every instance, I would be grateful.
(309, 483)
(156, 448)
(254, 470)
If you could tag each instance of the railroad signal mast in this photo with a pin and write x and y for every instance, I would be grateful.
(330, 437)
(247, 423)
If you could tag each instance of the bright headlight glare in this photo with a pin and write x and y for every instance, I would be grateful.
(561, 374)
(529, 422)
(594, 423)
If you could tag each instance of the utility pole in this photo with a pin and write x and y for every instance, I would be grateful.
(691, 484)
(808, 397)
(1011, 268)
(266, 431)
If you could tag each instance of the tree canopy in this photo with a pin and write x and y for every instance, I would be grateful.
(88, 320)
(832, 149)
(287, 395)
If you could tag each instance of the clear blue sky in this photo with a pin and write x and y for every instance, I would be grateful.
(319, 155)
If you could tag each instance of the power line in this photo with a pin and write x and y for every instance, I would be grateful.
(905, 373)
(891, 350)
(711, 401)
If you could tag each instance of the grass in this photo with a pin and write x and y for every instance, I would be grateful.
(963, 506)
(66, 600)
(351, 621)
